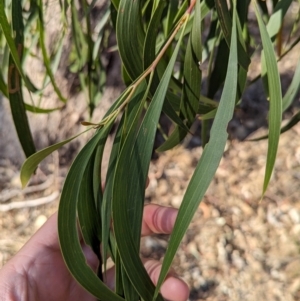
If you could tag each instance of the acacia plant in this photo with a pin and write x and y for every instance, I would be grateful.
(164, 46)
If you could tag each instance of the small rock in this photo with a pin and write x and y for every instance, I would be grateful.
(296, 230)
(222, 253)
(295, 286)
(237, 260)
(292, 270)
(215, 212)
(16, 181)
(220, 221)
(294, 215)
(20, 218)
(163, 187)
(192, 249)
(176, 201)
(40, 220)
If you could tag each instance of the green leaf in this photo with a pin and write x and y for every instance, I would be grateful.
(67, 225)
(218, 74)
(209, 160)
(129, 189)
(106, 205)
(130, 37)
(292, 90)
(287, 101)
(3, 86)
(30, 165)
(212, 39)
(149, 55)
(18, 111)
(34, 109)
(11, 43)
(171, 15)
(44, 52)
(87, 213)
(226, 25)
(277, 16)
(192, 83)
(209, 115)
(171, 113)
(292, 122)
(242, 8)
(149, 49)
(275, 113)
(128, 124)
(15, 93)
(206, 7)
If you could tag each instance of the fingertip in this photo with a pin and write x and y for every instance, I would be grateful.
(158, 219)
(175, 289)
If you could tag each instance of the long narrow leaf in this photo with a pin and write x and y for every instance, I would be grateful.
(209, 161)
(136, 106)
(128, 192)
(30, 165)
(192, 82)
(13, 48)
(86, 207)
(67, 227)
(225, 21)
(15, 92)
(130, 36)
(34, 109)
(45, 55)
(292, 90)
(275, 113)
(277, 16)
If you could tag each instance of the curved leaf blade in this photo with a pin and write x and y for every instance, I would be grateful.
(292, 90)
(12, 47)
(128, 191)
(209, 161)
(15, 93)
(44, 53)
(275, 113)
(67, 226)
(130, 37)
(192, 82)
(33, 161)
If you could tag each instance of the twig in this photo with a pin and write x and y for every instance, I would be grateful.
(30, 203)
(5, 196)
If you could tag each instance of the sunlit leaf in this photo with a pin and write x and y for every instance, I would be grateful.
(209, 160)
(275, 113)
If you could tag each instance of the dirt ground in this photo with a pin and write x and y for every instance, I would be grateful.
(237, 247)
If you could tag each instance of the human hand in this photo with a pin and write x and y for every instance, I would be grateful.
(38, 271)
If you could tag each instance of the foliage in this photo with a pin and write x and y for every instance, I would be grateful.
(163, 45)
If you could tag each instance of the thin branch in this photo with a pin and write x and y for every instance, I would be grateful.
(6, 196)
(30, 203)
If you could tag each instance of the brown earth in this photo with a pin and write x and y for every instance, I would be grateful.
(237, 247)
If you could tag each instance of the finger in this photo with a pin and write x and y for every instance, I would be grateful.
(158, 220)
(173, 288)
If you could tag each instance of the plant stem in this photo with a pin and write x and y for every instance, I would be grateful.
(152, 67)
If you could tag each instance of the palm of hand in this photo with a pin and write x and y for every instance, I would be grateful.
(40, 262)
(38, 271)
